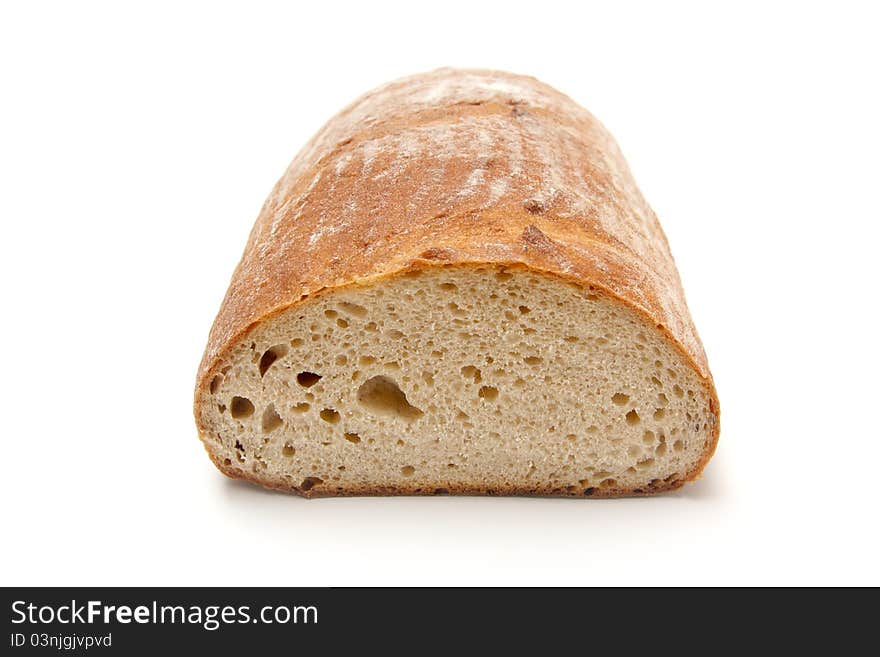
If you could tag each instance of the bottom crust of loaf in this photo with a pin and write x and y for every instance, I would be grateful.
(482, 490)
(459, 380)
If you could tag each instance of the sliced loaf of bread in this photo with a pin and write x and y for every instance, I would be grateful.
(456, 287)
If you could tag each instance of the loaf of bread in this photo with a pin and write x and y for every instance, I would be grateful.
(456, 287)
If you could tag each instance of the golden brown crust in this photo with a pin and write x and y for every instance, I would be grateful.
(458, 168)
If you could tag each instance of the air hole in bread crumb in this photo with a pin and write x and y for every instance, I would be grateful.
(471, 372)
(215, 383)
(503, 275)
(341, 360)
(488, 392)
(352, 438)
(329, 415)
(307, 379)
(310, 482)
(524, 310)
(455, 309)
(407, 471)
(367, 360)
(448, 287)
(341, 323)
(221, 408)
(302, 407)
(382, 395)
(632, 417)
(648, 438)
(532, 360)
(571, 338)
(661, 450)
(662, 399)
(678, 391)
(678, 446)
(644, 465)
(619, 398)
(659, 414)
(241, 407)
(270, 356)
(352, 309)
(395, 334)
(227, 462)
(288, 451)
(271, 419)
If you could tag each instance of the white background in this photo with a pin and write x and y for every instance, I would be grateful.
(137, 145)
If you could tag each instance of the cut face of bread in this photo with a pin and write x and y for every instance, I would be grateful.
(458, 379)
